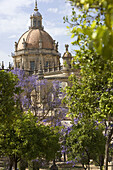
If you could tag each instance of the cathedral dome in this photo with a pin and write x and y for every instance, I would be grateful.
(36, 13)
(34, 38)
(67, 54)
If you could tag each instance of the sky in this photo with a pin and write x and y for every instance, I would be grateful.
(15, 20)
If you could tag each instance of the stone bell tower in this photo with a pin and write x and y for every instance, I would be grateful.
(67, 57)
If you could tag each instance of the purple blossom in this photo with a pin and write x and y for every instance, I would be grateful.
(76, 120)
(58, 123)
(45, 120)
(96, 121)
(50, 91)
(63, 151)
(102, 121)
(70, 162)
(69, 130)
(106, 127)
(35, 160)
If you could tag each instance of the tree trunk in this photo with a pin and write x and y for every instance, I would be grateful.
(15, 163)
(101, 167)
(64, 157)
(84, 167)
(101, 162)
(10, 167)
(10, 163)
(106, 154)
(109, 138)
(88, 161)
(88, 166)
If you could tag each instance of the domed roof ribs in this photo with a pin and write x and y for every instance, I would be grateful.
(40, 40)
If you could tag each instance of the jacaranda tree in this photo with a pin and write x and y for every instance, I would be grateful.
(21, 133)
(41, 97)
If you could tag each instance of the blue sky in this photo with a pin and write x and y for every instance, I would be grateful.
(15, 20)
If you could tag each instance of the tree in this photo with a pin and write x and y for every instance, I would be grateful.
(8, 104)
(40, 96)
(85, 141)
(21, 133)
(28, 140)
(91, 94)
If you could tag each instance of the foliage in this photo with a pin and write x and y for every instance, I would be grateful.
(26, 139)
(86, 141)
(95, 22)
(8, 104)
(21, 133)
(91, 94)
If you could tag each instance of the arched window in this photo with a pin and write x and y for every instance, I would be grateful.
(39, 24)
(32, 65)
(47, 63)
(34, 22)
(18, 64)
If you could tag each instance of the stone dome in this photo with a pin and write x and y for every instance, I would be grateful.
(36, 13)
(67, 55)
(32, 39)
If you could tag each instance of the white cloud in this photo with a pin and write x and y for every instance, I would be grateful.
(49, 24)
(13, 7)
(14, 24)
(13, 18)
(56, 31)
(66, 9)
(47, 1)
(12, 36)
(54, 10)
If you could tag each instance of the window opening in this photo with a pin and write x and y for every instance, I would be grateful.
(32, 65)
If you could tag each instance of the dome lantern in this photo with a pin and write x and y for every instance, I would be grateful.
(36, 19)
(67, 57)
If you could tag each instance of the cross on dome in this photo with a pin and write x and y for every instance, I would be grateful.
(67, 46)
(36, 9)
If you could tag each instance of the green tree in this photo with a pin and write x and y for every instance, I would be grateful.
(92, 92)
(9, 108)
(28, 140)
(8, 104)
(86, 141)
(21, 135)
